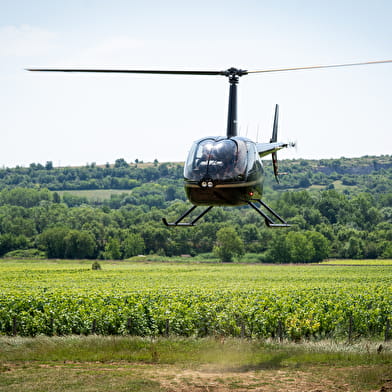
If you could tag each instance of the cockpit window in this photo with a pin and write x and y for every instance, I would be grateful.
(224, 159)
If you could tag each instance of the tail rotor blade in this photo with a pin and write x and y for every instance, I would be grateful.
(274, 139)
(275, 165)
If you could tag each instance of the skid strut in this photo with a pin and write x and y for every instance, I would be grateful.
(268, 221)
(192, 223)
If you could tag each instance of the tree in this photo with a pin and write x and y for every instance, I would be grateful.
(366, 215)
(387, 253)
(320, 245)
(120, 163)
(170, 193)
(53, 242)
(56, 197)
(155, 238)
(112, 249)
(333, 206)
(278, 251)
(300, 249)
(296, 247)
(203, 237)
(9, 242)
(250, 233)
(353, 249)
(251, 237)
(228, 244)
(24, 197)
(133, 245)
(79, 245)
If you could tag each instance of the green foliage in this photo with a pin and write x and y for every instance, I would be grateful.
(352, 175)
(112, 249)
(96, 266)
(26, 254)
(120, 163)
(228, 244)
(256, 301)
(122, 205)
(79, 245)
(320, 245)
(24, 197)
(354, 248)
(65, 243)
(298, 247)
(53, 242)
(133, 245)
(9, 242)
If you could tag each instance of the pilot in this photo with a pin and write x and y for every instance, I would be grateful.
(205, 156)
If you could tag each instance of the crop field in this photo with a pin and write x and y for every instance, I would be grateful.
(291, 302)
(194, 327)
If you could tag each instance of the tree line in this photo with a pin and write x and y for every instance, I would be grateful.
(344, 221)
(366, 173)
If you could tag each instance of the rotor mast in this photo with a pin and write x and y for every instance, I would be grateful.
(232, 124)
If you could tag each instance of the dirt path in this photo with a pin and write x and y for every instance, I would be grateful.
(126, 376)
(315, 379)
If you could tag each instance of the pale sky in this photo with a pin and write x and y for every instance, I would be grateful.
(74, 119)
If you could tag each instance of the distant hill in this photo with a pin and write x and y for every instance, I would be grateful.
(338, 208)
(368, 173)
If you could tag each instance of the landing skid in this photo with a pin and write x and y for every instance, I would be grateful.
(268, 221)
(178, 221)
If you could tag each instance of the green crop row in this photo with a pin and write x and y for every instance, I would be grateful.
(291, 314)
(290, 302)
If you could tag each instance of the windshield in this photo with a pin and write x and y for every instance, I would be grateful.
(220, 159)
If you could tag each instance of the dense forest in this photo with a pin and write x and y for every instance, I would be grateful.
(337, 207)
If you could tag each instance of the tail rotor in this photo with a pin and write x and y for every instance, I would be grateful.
(274, 139)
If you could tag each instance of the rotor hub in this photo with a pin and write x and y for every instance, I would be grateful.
(234, 74)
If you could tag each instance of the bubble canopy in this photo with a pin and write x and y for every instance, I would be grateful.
(220, 159)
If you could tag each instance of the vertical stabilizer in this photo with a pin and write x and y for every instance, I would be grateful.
(274, 137)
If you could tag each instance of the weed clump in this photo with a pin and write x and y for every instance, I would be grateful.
(96, 266)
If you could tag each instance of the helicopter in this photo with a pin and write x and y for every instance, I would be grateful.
(225, 170)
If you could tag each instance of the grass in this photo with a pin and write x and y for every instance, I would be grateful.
(97, 363)
(226, 352)
(357, 262)
(95, 194)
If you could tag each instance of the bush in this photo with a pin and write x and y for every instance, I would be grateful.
(26, 254)
(96, 266)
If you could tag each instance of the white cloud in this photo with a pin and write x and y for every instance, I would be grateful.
(25, 41)
(116, 48)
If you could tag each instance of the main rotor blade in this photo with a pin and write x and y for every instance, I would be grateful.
(231, 72)
(137, 71)
(321, 66)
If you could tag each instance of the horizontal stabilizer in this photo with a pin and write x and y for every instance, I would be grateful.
(268, 148)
